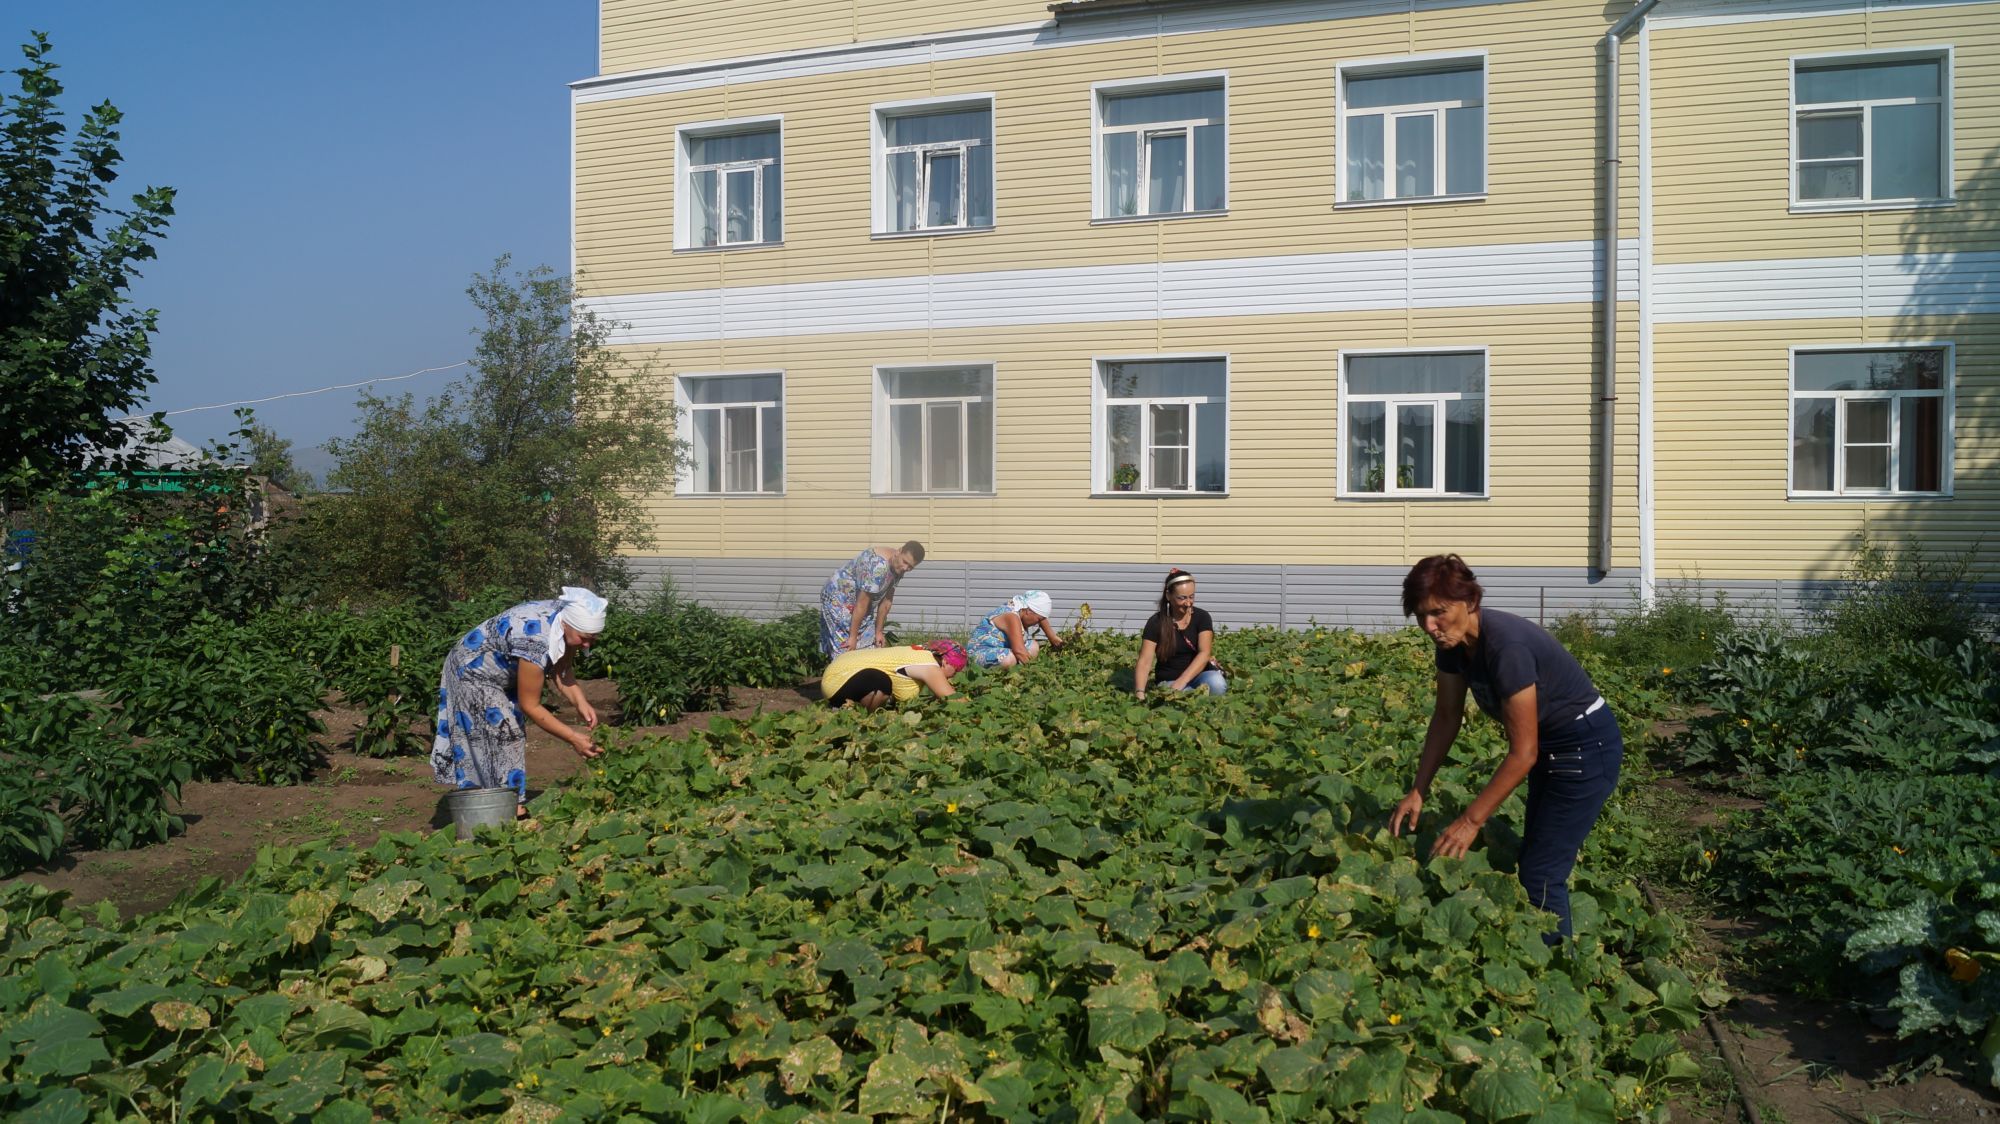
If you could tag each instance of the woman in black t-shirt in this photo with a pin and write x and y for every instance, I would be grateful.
(1562, 740)
(1182, 638)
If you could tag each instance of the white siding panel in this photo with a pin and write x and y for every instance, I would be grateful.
(1366, 281)
(1951, 284)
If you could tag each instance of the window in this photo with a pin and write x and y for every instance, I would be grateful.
(1415, 424)
(735, 427)
(935, 167)
(1413, 133)
(934, 430)
(1162, 149)
(1871, 130)
(1871, 422)
(1163, 425)
(731, 186)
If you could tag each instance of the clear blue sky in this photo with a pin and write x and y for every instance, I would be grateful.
(343, 169)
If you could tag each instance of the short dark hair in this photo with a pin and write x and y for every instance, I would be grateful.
(915, 550)
(860, 685)
(1441, 575)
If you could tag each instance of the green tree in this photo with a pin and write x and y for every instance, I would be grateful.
(526, 474)
(74, 353)
(270, 456)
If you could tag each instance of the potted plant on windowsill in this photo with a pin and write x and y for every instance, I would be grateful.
(1125, 477)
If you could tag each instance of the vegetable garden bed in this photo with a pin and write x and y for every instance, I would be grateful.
(1043, 901)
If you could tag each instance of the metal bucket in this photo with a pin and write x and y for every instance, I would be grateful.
(473, 808)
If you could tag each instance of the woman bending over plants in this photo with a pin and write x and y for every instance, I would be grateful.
(1001, 639)
(861, 592)
(493, 681)
(1561, 737)
(872, 677)
(1182, 638)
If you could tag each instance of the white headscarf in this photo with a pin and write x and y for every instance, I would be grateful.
(583, 610)
(1035, 601)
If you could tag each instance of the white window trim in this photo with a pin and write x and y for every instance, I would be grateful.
(880, 475)
(1100, 210)
(684, 422)
(1100, 437)
(878, 155)
(1945, 54)
(1347, 490)
(1947, 440)
(1410, 64)
(684, 170)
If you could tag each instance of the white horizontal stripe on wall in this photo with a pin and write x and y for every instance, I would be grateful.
(1955, 284)
(945, 46)
(1457, 277)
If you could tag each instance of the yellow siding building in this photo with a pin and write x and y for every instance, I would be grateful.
(1291, 293)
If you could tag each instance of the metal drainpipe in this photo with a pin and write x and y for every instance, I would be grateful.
(1607, 471)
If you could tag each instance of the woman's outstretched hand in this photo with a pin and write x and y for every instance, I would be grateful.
(1406, 813)
(584, 746)
(1456, 839)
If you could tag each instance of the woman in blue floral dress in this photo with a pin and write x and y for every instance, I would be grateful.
(860, 592)
(493, 682)
(1001, 639)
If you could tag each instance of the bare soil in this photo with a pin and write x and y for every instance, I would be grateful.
(1805, 1060)
(1811, 1060)
(353, 800)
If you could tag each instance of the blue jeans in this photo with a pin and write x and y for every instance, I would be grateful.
(1211, 679)
(1572, 778)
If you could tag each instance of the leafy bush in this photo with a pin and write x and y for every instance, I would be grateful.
(32, 831)
(1785, 704)
(244, 711)
(113, 571)
(351, 649)
(676, 656)
(1044, 901)
(76, 776)
(1944, 951)
(1873, 851)
(1889, 596)
(1677, 634)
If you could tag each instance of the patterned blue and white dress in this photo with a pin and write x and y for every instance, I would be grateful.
(988, 645)
(481, 741)
(868, 572)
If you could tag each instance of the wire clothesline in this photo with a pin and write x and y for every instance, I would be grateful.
(297, 393)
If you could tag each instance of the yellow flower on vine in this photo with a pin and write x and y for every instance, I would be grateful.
(1963, 967)
(1312, 930)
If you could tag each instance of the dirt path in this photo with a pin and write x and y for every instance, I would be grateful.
(353, 800)
(1807, 1061)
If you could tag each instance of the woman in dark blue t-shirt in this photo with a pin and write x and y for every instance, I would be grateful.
(1561, 737)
